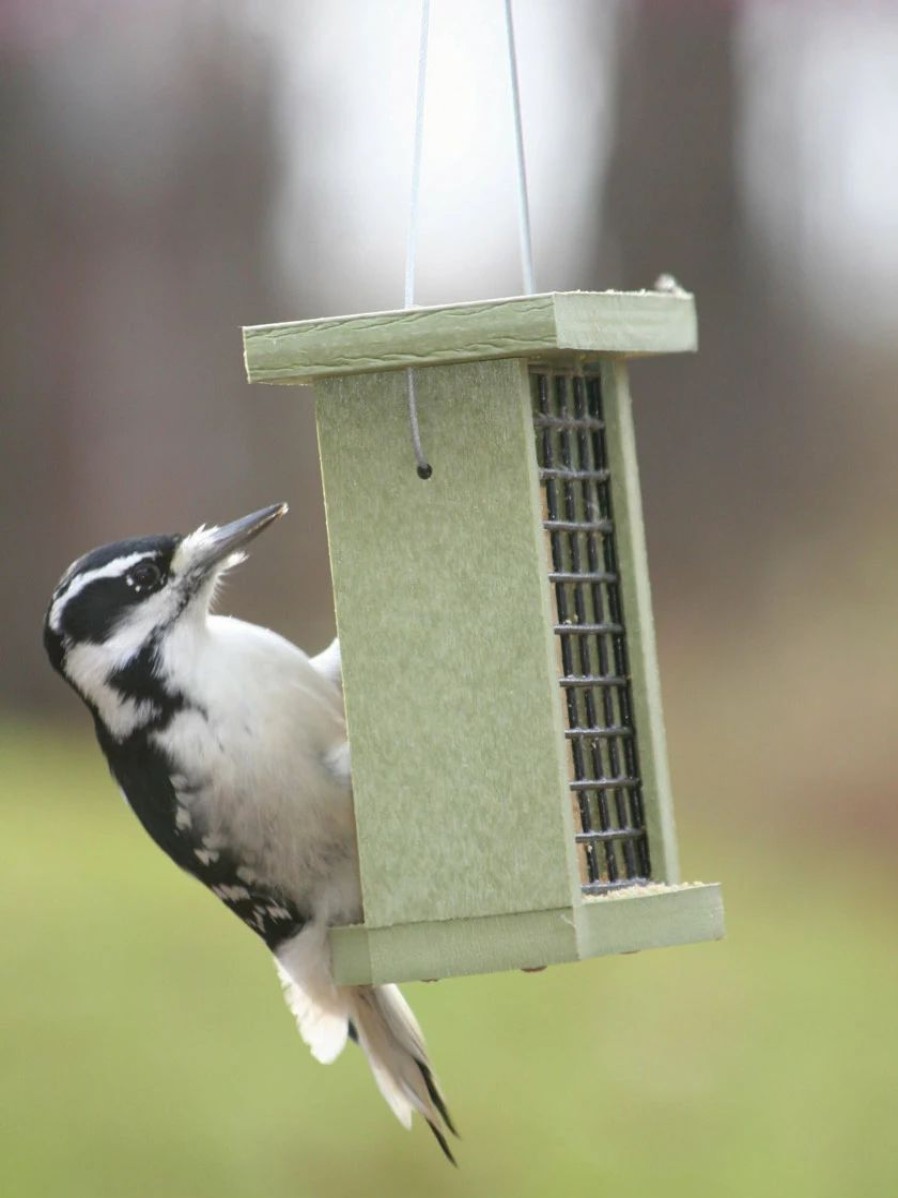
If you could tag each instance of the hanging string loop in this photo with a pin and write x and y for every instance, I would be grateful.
(524, 238)
(425, 470)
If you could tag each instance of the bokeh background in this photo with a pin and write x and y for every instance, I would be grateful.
(175, 169)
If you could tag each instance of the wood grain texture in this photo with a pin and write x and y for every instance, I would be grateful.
(442, 609)
(643, 322)
(637, 603)
(631, 920)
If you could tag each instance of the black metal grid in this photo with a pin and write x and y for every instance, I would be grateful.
(595, 681)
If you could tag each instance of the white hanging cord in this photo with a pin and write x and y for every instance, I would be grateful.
(411, 246)
(411, 243)
(523, 205)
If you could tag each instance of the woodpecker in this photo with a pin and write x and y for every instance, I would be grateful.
(230, 746)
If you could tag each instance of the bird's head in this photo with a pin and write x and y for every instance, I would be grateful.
(118, 602)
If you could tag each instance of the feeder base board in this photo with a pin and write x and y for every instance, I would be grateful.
(624, 921)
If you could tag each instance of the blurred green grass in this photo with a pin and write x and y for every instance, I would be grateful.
(146, 1049)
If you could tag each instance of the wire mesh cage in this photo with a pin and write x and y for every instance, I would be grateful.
(503, 706)
(590, 627)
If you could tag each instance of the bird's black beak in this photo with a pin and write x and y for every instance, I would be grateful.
(219, 543)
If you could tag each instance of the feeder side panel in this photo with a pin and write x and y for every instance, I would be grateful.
(637, 600)
(442, 610)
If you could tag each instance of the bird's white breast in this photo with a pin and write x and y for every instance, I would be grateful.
(260, 760)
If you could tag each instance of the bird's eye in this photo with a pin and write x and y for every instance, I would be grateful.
(145, 576)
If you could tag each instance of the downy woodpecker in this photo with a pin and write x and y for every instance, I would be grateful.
(230, 746)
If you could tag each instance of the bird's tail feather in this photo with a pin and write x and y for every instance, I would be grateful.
(377, 1017)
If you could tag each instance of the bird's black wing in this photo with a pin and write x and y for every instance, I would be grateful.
(144, 774)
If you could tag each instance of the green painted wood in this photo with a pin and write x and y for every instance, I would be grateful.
(654, 917)
(449, 673)
(627, 921)
(637, 603)
(448, 948)
(618, 322)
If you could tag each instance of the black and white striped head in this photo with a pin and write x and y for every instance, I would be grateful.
(117, 602)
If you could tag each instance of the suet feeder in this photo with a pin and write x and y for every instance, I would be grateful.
(502, 697)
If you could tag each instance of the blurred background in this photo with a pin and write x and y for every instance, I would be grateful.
(176, 169)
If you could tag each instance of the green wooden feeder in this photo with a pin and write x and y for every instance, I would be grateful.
(502, 697)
